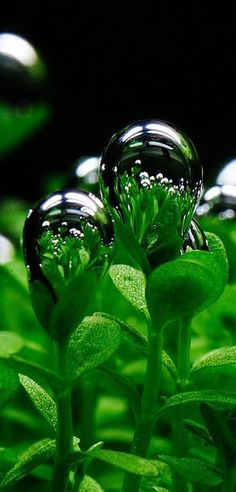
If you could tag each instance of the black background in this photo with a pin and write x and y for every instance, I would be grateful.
(113, 62)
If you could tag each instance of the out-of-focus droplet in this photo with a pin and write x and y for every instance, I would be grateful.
(227, 175)
(7, 250)
(151, 174)
(85, 174)
(24, 107)
(67, 235)
(218, 201)
(195, 238)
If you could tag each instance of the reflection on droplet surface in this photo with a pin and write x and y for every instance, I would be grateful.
(195, 238)
(23, 90)
(85, 174)
(65, 234)
(144, 166)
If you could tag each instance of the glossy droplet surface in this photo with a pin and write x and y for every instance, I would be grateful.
(24, 103)
(195, 238)
(144, 166)
(65, 234)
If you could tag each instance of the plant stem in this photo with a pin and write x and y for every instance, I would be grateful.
(228, 484)
(64, 424)
(146, 420)
(180, 440)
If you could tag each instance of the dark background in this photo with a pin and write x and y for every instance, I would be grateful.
(113, 62)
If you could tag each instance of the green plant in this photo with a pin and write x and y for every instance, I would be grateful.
(125, 378)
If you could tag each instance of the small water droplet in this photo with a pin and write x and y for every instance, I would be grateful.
(195, 238)
(156, 162)
(218, 201)
(78, 236)
(85, 174)
(24, 105)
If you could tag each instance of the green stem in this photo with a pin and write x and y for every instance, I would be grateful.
(64, 424)
(229, 480)
(180, 439)
(146, 420)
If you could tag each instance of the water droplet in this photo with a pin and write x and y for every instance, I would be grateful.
(24, 107)
(156, 162)
(218, 201)
(65, 234)
(85, 174)
(195, 238)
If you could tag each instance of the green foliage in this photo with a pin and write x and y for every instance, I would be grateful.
(42, 400)
(93, 342)
(131, 283)
(33, 456)
(105, 371)
(187, 285)
(194, 470)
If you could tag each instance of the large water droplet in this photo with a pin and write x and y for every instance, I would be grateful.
(144, 166)
(67, 233)
(23, 91)
(195, 238)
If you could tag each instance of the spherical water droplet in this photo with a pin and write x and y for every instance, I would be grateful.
(67, 233)
(23, 90)
(195, 238)
(143, 166)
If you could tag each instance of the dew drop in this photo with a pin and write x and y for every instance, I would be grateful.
(24, 105)
(156, 162)
(65, 234)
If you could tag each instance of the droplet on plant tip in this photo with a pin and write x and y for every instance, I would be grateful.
(143, 166)
(85, 174)
(195, 238)
(24, 103)
(67, 233)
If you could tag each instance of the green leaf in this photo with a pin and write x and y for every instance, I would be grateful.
(219, 357)
(131, 283)
(218, 428)
(194, 470)
(139, 341)
(10, 343)
(190, 399)
(215, 378)
(36, 454)
(116, 384)
(88, 484)
(93, 342)
(127, 462)
(187, 285)
(9, 382)
(131, 244)
(198, 430)
(42, 400)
